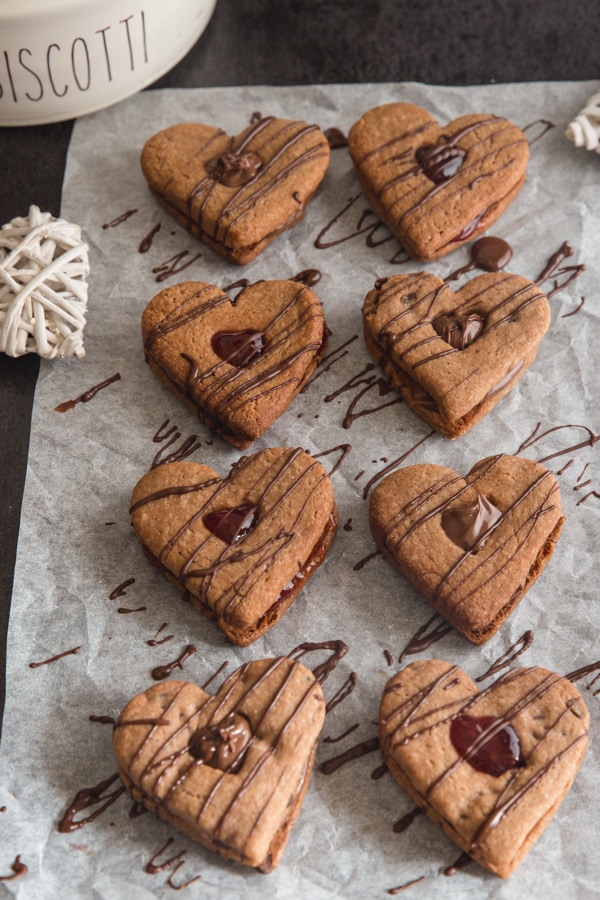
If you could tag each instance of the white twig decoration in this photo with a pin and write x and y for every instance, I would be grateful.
(43, 287)
(584, 130)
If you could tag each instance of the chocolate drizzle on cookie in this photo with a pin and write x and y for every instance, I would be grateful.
(459, 331)
(487, 730)
(265, 366)
(289, 480)
(264, 710)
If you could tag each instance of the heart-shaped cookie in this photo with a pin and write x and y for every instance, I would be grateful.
(454, 355)
(472, 546)
(229, 770)
(491, 767)
(436, 188)
(238, 364)
(241, 547)
(236, 194)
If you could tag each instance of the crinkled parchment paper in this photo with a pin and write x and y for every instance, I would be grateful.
(76, 544)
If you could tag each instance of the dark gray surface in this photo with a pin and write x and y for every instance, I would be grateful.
(295, 42)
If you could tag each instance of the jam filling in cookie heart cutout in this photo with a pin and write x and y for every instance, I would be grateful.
(436, 188)
(491, 767)
(229, 770)
(241, 548)
(238, 364)
(454, 355)
(472, 546)
(236, 194)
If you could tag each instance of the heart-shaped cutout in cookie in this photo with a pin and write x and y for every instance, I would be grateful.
(437, 187)
(454, 355)
(242, 547)
(229, 770)
(472, 546)
(236, 194)
(238, 364)
(490, 767)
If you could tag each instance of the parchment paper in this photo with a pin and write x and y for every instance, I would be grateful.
(76, 543)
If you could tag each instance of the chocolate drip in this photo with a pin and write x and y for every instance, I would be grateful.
(119, 591)
(161, 672)
(174, 265)
(45, 662)
(87, 395)
(128, 609)
(371, 381)
(223, 744)
(459, 864)
(488, 253)
(393, 465)
(509, 657)
(153, 868)
(189, 446)
(403, 887)
(345, 448)
(553, 267)
(215, 674)
(119, 219)
(340, 737)
(18, 870)
(87, 798)
(468, 525)
(370, 230)
(422, 639)
(103, 720)
(534, 437)
(307, 277)
(329, 360)
(240, 284)
(146, 242)
(331, 765)
(547, 127)
(379, 772)
(322, 671)
(574, 312)
(362, 562)
(345, 690)
(335, 138)
(407, 820)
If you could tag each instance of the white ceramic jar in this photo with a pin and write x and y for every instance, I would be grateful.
(60, 59)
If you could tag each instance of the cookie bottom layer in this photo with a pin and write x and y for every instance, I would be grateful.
(192, 830)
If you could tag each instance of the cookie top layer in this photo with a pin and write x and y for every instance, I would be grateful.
(236, 544)
(436, 188)
(240, 799)
(420, 517)
(238, 363)
(237, 193)
(492, 766)
(454, 354)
